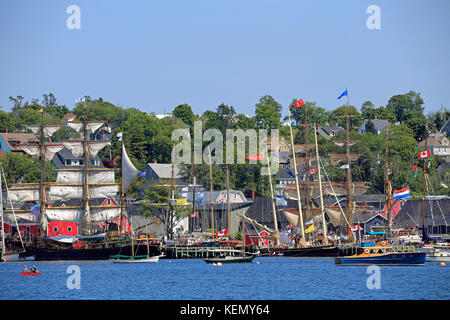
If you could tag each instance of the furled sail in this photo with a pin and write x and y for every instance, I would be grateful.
(34, 150)
(90, 126)
(23, 193)
(335, 189)
(58, 192)
(48, 130)
(97, 214)
(77, 176)
(338, 158)
(129, 171)
(337, 218)
(76, 147)
(292, 215)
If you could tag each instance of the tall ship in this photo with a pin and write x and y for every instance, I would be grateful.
(311, 213)
(83, 214)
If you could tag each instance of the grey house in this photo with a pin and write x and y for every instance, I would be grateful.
(379, 125)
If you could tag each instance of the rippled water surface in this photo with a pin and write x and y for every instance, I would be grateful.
(193, 279)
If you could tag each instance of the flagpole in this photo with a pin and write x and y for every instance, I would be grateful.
(349, 174)
(423, 195)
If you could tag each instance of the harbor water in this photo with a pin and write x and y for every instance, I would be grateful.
(267, 278)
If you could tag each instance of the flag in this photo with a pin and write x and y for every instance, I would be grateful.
(119, 135)
(281, 201)
(312, 171)
(142, 174)
(181, 201)
(258, 156)
(299, 103)
(195, 214)
(400, 194)
(355, 228)
(345, 166)
(222, 233)
(345, 93)
(289, 226)
(35, 209)
(424, 154)
(414, 166)
(311, 228)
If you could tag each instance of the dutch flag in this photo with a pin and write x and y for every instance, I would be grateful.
(400, 194)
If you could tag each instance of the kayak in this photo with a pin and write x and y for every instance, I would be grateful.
(30, 273)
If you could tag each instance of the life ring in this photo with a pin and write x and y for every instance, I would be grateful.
(383, 243)
(367, 251)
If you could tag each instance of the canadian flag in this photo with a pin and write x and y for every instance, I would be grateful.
(312, 171)
(355, 228)
(195, 214)
(222, 233)
(425, 154)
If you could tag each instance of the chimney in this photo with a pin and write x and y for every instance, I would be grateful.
(154, 161)
(375, 118)
(331, 123)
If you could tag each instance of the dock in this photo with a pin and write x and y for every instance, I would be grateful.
(197, 252)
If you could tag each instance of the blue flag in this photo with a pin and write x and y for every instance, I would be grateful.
(35, 209)
(345, 93)
(143, 174)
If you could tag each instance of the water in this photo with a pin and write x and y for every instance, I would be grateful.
(192, 279)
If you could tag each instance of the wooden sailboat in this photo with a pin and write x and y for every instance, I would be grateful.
(228, 258)
(136, 258)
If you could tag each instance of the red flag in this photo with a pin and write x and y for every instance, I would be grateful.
(355, 228)
(258, 156)
(222, 233)
(299, 103)
(312, 171)
(414, 166)
(195, 214)
(425, 154)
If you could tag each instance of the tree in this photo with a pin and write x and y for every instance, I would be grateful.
(157, 203)
(370, 127)
(21, 168)
(354, 121)
(400, 104)
(185, 114)
(268, 113)
(367, 110)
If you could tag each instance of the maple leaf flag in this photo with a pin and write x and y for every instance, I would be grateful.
(414, 166)
(299, 103)
(312, 171)
(425, 154)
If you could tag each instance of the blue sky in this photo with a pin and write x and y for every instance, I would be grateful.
(154, 55)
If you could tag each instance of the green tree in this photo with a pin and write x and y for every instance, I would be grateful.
(268, 113)
(354, 121)
(21, 168)
(185, 114)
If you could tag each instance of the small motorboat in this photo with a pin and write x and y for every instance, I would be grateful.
(383, 254)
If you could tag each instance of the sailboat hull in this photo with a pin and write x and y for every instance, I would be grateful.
(45, 254)
(325, 251)
(230, 259)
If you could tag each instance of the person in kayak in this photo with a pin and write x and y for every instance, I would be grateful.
(34, 269)
(25, 269)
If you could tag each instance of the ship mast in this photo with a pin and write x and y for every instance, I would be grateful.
(424, 176)
(211, 191)
(228, 201)
(324, 223)
(86, 220)
(299, 202)
(42, 180)
(388, 191)
(275, 222)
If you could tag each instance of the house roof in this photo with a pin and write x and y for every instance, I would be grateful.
(67, 154)
(164, 170)
(435, 141)
(379, 124)
(22, 138)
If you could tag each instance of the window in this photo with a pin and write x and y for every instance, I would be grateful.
(68, 162)
(109, 201)
(69, 229)
(55, 229)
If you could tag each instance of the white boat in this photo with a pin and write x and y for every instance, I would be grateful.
(438, 256)
(136, 259)
(14, 257)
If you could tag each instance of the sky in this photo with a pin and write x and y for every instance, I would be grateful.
(155, 55)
